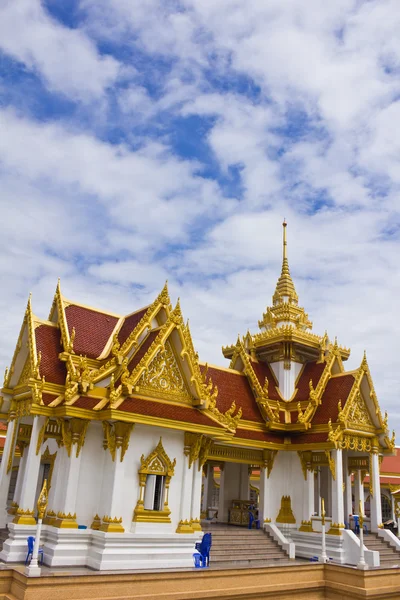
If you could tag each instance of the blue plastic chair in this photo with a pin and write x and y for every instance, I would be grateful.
(204, 548)
(252, 519)
(197, 560)
(31, 543)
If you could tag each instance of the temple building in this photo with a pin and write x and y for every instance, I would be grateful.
(141, 443)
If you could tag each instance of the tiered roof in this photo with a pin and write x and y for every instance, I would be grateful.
(143, 368)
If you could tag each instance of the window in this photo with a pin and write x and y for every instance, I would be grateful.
(386, 508)
(154, 478)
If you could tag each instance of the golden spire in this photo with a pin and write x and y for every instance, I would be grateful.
(285, 290)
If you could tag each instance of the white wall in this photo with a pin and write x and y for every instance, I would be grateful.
(91, 474)
(287, 479)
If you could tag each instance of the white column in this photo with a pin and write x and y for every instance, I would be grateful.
(56, 490)
(67, 500)
(196, 495)
(319, 491)
(358, 492)
(206, 484)
(186, 497)
(308, 505)
(244, 490)
(348, 504)
(113, 504)
(8, 451)
(375, 501)
(221, 497)
(265, 501)
(20, 476)
(337, 489)
(30, 479)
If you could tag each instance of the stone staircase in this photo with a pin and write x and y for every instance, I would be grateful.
(389, 556)
(239, 546)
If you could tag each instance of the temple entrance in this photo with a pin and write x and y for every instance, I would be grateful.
(230, 493)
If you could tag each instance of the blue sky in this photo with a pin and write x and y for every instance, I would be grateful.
(144, 141)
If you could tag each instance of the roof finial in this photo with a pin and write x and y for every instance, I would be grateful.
(285, 290)
(284, 225)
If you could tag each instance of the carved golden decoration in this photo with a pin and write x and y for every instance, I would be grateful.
(70, 345)
(41, 435)
(25, 373)
(24, 517)
(12, 447)
(164, 377)
(192, 446)
(117, 435)
(269, 459)
(13, 508)
(42, 501)
(65, 521)
(285, 514)
(336, 529)
(219, 452)
(185, 527)
(195, 524)
(73, 431)
(331, 464)
(112, 525)
(306, 460)
(96, 523)
(306, 526)
(50, 518)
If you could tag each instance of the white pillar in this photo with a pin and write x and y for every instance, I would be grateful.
(112, 502)
(244, 490)
(337, 489)
(30, 478)
(206, 486)
(67, 492)
(221, 496)
(186, 497)
(375, 500)
(319, 495)
(8, 453)
(358, 492)
(56, 489)
(20, 476)
(196, 496)
(308, 504)
(265, 500)
(348, 505)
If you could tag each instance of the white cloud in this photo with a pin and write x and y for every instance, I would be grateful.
(66, 59)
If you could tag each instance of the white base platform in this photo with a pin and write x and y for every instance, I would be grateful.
(103, 551)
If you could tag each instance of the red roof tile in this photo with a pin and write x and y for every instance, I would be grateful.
(129, 324)
(145, 345)
(309, 438)
(3, 426)
(234, 387)
(88, 403)
(48, 343)
(260, 436)
(92, 329)
(48, 398)
(337, 388)
(262, 371)
(391, 464)
(174, 412)
(313, 371)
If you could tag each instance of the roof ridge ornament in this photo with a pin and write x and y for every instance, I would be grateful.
(285, 290)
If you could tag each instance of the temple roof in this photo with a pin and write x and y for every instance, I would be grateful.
(143, 367)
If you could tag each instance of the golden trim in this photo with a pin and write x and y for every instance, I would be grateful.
(65, 521)
(285, 514)
(185, 527)
(24, 517)
(111, 525)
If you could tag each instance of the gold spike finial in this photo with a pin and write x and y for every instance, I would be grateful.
(285, 286)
